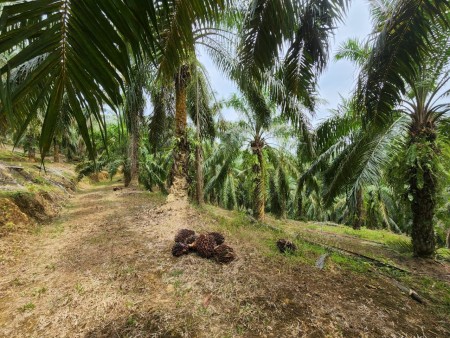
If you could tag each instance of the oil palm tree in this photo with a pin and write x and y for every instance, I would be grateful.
(255, 130)
(176, 63)
(248, 149)
(201, 111)
(402, 99)
(134, 110)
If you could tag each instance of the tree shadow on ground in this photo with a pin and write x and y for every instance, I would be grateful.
(138, 325)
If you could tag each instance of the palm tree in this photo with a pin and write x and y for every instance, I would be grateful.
(176, 63)
(255, 129)
(199, 109)
(400, 88)
(265, 141)
(134, 110)
(201, 112)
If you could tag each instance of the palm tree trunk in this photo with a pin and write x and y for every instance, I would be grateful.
(299, 212)
(56, 152)
(31, 148)
(422, 184)
(359, 214)
(32, 154)
(199, 157)
(178, 190)
(260, 190)
(133, 152)
(199, 173)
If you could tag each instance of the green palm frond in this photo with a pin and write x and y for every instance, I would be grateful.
(362, 162)
(354, 50)
(199, 98)
(263, 34)
(405, 39)
(180, 24)
(78, 51)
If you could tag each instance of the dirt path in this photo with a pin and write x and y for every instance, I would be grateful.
(105, 270)
(81, 271)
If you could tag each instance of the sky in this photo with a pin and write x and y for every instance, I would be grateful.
(337, 79)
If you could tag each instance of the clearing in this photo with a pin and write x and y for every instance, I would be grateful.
(104, 269)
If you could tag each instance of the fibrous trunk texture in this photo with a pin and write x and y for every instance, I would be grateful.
(132, 179)
(56, 152)
(260, 190)
(359, 213)
(422, 183)
(178, 190)
(199, 174)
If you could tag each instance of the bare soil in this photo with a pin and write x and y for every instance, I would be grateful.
(104, 269)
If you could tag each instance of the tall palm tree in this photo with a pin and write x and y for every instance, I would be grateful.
(199, 109)
(201, 112)
(255, 129)
(182, 25)
(134, 110)
(400, 88)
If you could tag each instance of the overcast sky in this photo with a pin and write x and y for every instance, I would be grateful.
(338, 78)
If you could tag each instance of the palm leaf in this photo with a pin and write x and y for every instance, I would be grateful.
(405, 40)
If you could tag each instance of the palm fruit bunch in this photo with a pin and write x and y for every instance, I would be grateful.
(191, 239)
(218, 238)
(183, 234)
(204, 245)
(180, 249)
(224, 254)
(207, 245)
(286, 246)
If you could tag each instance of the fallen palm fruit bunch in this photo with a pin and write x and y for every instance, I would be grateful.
(286, 246)
(209, 245)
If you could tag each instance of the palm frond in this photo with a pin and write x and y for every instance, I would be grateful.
(404, 41)
(363, 161)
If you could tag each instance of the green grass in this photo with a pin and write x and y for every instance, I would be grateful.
(10, 156)
(350, 263)
(378, 235)
(265, 237)
(27, 307)
(39, 292)
(79, 288)
(57, 228)
(443, 253)
(176, 273)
